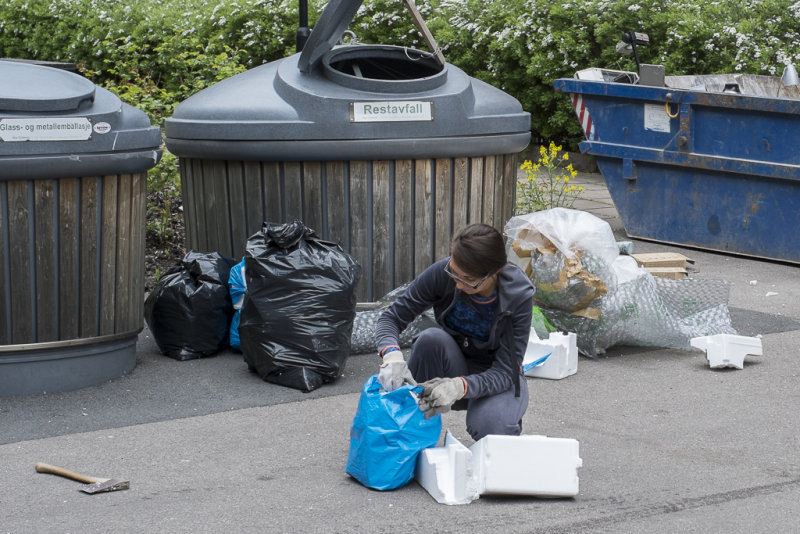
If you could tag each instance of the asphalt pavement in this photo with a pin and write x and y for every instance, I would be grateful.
(668, 444)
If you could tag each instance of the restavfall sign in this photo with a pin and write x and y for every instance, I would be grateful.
(400, 111)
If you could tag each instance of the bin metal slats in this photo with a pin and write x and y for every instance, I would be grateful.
(60, 282)
(67, 264)
(124, 238)
(395, 217)
(360, 209)
(461, 194)
(313, 188)
(90, 228)
(5, 283)
(108, 270)
(476, 197)
(383, 236)
(442, 223)
(292, 185)
(338, 220)
(403, 220)
(47, 285)
(423, 220)
(21, 275)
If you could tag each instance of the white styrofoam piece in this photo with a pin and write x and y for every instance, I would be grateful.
(500, 465)
(526, 465)
(727, 350)
(560, 350)
(446, 472)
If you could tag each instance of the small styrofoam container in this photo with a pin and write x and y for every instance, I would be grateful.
(526, 465)
(727, 350)
(555, 357)
(500, 465)
(446, 472)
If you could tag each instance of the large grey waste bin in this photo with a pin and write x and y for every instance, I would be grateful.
(380, 148)
(73, 162)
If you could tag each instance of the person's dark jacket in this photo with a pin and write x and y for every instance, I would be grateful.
(495, 365)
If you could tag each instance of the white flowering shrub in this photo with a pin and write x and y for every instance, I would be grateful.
(155, 53)
(522, 46)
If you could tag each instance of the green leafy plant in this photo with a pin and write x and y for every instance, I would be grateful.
(547, 182)
(163, 191)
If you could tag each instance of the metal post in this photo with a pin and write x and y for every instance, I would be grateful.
(302, 31)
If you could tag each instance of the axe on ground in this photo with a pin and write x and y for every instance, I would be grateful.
(93, 484)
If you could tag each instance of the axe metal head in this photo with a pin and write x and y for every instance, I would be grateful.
(107, 485)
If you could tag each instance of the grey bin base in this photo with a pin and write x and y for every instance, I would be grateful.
(64, 366)
(71, 280)
(395, 217)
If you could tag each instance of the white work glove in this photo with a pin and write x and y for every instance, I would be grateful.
(394, 372)
(439, 394)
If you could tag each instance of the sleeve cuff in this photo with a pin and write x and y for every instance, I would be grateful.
(389, 348)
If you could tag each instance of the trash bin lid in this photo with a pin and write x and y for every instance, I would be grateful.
(26, 89)
(55, 123)
(330, 27)
(350, 102)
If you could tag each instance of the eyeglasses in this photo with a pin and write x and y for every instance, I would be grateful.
(472, 285)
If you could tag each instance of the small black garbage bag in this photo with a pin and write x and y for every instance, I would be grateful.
(297, 316)
(190, 309)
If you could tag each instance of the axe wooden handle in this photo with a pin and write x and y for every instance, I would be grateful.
(54, 470)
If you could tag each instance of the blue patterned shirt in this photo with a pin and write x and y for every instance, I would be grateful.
(472, 316)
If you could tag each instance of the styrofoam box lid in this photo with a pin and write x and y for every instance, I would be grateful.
(49, 115)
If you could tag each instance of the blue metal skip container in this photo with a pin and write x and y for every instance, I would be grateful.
(701, 161)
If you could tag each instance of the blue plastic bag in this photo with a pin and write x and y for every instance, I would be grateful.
(387, 435)
(237, 287)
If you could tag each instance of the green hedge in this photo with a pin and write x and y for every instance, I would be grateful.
(157, 53)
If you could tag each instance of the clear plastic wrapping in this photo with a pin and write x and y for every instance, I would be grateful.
(584, 286)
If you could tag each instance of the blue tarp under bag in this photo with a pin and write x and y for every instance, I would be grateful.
(387, 435)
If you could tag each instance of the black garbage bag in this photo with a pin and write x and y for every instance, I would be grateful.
(190, 309)
(297, 316)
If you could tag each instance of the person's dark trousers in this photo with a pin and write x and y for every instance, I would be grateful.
(436, 354)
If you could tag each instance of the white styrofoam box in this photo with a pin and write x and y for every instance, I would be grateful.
(446, 472)
(555, 357)
(526, 465)
(500, 465)
(727, 350)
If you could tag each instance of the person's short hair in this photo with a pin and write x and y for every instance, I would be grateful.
(478, 249)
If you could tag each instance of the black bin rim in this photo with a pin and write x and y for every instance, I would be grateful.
(400, 57)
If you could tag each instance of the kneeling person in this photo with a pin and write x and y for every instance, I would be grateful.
(482, 304)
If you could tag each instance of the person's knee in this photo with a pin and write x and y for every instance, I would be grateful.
(428, 342)
(432, 337)
(485, 424)
(499, 415)
(435, 353)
